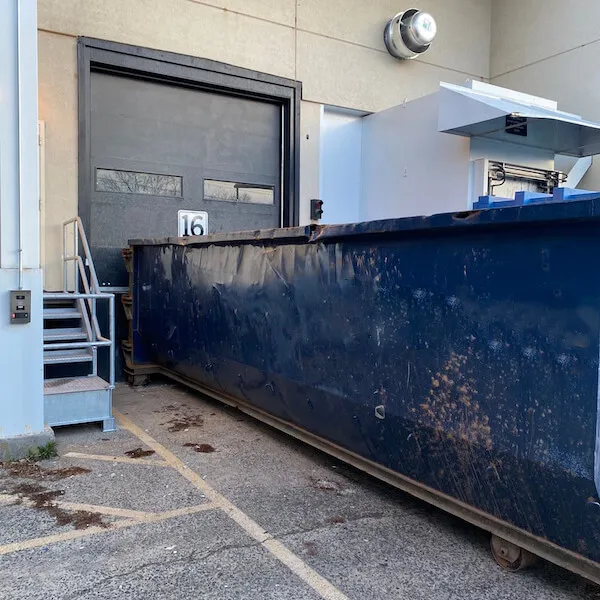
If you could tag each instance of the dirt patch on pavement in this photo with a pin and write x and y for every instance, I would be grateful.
(82, 519)
(311, 548)
(139, 453)
(328, 485)
(184, 422)
(43, 500)
(29, 470)
(205, 448)
(171, 408)
(338, 520)
(26, 489)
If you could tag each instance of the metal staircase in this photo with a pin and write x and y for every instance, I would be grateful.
(73, 390)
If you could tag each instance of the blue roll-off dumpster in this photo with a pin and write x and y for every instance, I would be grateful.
(453, 356)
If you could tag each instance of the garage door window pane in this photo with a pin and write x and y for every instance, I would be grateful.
(230, 191)
(133, 182)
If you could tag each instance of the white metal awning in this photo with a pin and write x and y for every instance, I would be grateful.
(467, 112)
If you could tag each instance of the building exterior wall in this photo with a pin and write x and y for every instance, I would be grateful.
(21, 367)
(340, 170)
(57, 68)
(550, 48)
(334, 47)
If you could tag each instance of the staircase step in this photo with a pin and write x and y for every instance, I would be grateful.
(64, 299)
(55, 357)
(72, 385)
(61, 313)
(64, 334)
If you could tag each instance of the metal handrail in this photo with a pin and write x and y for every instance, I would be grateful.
(86, 288)
(76, 345)
(80, 232)
(75, 295)
(87, 299)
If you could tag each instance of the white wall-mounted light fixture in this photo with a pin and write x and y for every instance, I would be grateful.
(410, 33)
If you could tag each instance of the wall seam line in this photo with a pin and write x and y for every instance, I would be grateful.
(69, 35)
(385, 52)
(296, 30)
(541, 60)
(242, 14)
(296, 40)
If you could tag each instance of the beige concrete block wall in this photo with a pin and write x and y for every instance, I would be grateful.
(335, 47)
(462, 43)
(341, 58)
(57, 66)
(550, 48)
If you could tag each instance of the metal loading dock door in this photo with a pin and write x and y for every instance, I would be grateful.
(454, 356)
(158, 148)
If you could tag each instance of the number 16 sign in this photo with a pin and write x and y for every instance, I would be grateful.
(192, 222)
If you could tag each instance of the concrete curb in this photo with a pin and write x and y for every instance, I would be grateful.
(18, 446)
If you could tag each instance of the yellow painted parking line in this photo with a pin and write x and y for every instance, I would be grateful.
(74, 534)
(139, 515)
(8, 499)
(117, 459)
(61, 537)
(324, 588)
(181, 512)
(114, 511)
(104, 510)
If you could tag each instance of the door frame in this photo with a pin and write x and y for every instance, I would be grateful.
(94, 55)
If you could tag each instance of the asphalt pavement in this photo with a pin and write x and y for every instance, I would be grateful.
(192, 499)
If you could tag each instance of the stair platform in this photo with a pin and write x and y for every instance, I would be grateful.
(73, 400)
(74, 384)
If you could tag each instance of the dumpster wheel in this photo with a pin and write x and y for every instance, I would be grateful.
(509, 556)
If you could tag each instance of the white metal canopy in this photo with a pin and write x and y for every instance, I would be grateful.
(473, 113)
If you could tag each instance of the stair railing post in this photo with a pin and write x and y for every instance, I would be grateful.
(94, 348)
(94, 284)
(76, 249)
(64, 253)
(111, 317)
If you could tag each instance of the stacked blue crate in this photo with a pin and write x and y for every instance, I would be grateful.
(560, 194)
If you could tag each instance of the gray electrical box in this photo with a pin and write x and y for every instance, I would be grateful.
(20, 307)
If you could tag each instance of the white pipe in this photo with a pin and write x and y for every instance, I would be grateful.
(19, 145)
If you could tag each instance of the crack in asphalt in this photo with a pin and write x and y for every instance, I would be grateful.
(291, 532)
(203, 555)
(195, 555)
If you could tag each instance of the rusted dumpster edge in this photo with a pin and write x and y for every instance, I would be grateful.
(535, 214)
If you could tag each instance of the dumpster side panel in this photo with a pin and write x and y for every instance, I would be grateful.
(467, 361)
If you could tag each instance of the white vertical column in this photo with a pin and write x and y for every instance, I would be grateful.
(21, 346)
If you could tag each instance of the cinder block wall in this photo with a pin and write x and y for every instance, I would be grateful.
(335, 47)
(550, 48)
